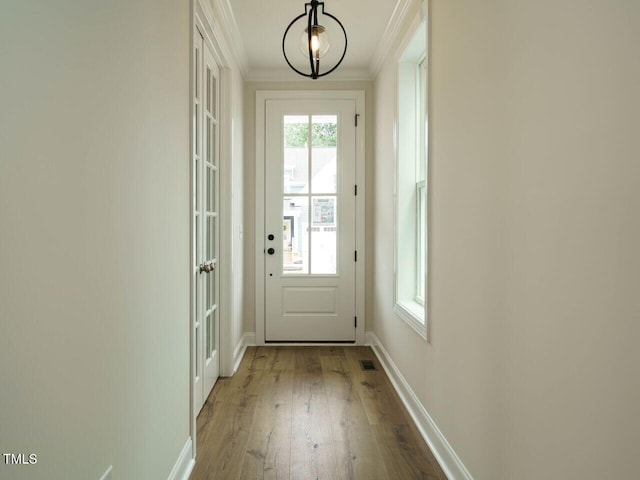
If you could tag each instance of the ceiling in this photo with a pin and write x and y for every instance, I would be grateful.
(260, 25)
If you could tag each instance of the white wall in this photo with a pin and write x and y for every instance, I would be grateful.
(251, 88)
(94, 237)
(531, 371)
(238, 209)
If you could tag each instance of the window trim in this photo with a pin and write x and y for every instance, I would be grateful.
(408, 304)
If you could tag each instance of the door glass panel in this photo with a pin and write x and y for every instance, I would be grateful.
(197, 242)
(197, 258)
(197, 129)
(214, 90)
(296, 154)
(295, 235)
(324, 235)
(198, 348)
(197, 180)
(207, 289)
(214, 225)
(209, 237)
(213, 159)
(208, 88)
(197, 62)
(214, 327)
(324, 154)
(214, 187)
(209, 328)
(208, 189)
(207, 138)
(211, 201)
(212, 291)
(310, 248)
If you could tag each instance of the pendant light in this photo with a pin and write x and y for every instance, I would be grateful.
(314, 39)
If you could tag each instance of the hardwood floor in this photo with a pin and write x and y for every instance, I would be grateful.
(303, 413)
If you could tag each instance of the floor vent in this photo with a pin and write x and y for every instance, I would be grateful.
(367, 365)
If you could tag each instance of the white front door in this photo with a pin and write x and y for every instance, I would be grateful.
(206, 221)
(310, 221)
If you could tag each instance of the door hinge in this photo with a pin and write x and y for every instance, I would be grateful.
(357, 115)
(355, 322)
(355, 256)
(355, 189)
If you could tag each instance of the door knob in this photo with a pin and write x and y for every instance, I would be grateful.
(271, 251)
(206, 267)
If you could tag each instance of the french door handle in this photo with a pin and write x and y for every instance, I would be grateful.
(206, 267)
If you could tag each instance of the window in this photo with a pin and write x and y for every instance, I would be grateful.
(411, 183)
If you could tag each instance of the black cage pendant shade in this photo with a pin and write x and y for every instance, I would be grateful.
(314, 42)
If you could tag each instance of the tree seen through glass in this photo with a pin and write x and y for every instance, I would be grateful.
(322, 134)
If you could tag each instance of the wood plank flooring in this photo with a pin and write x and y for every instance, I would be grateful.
(303, 413)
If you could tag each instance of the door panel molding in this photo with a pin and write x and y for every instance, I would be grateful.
(262, 96)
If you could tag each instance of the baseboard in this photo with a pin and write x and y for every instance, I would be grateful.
(370, 339)
(184, 464)
(447, 458)
(247, 340)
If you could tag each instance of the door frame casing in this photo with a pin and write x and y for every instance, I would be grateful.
(262, 96)
(202, 20)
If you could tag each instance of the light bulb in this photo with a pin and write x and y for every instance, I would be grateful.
(319, 42)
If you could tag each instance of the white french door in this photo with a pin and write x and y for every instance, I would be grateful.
(310, 221)
(206, 221)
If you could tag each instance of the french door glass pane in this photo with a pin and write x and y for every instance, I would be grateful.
(198, 348)
(324, 235)
(210, 237)
(208, 189)
(208, 89)
(296, 154)
(197, 180)
(295, 235)
(214, 325)
(212, 290)
(197, 129)
(213, 98)
(324, 163)
(212, 143)
(207, 287)
(209, 323)
(197, 62)
(310, 248)
(211, 190)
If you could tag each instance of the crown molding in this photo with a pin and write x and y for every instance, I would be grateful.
(226, 20)
(285, 74)
(391, 33)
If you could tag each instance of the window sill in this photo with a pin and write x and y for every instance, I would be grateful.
(413, 314)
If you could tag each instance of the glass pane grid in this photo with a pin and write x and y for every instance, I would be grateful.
(208, 335)
(197, 183)
(295, 235)
(324, 235)
(214, 99)
(209, 88)
(197, 129)
(197, 63)
(310, 187)
(197, 352)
